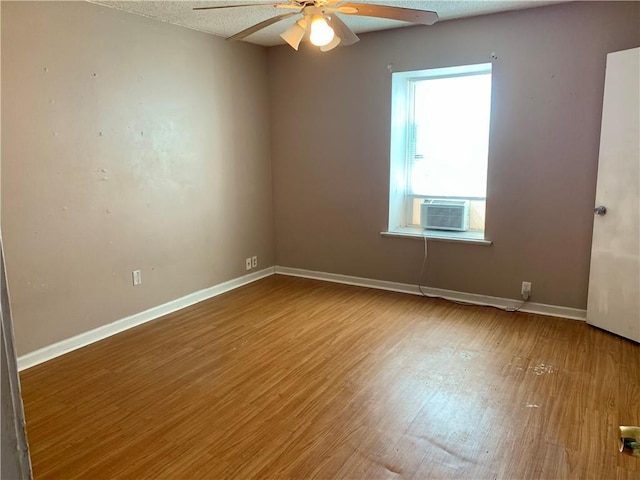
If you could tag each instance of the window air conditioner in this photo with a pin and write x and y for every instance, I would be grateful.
(445, 215)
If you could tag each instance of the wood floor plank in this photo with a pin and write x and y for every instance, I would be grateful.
(288, 378)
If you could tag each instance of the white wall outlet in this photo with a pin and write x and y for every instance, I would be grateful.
(525, 291)
(247, 263)
(254, 261)
(137, 277)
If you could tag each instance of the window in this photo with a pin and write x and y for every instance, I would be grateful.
(439, 150)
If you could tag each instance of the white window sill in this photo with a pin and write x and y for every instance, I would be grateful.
(475, 238)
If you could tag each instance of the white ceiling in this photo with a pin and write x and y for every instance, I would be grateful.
(228, 21)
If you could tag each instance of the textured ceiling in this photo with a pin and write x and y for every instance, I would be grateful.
(226, 22)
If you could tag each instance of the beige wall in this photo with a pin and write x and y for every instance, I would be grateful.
(127, 144)
(330, 145)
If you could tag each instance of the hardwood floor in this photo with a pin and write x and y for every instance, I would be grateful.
(293, 378)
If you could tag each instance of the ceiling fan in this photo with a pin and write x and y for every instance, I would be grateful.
(320, 20)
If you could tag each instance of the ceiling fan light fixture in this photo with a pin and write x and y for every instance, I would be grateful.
(321, 33)
(326, 31)
(294, 34)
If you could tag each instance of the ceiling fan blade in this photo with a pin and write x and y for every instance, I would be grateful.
(290, 6)
(342, 9)
(341, 29)
(259, 26)
(423, 17)
(236, 6)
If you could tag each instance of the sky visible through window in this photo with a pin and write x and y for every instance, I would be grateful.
(451, 122)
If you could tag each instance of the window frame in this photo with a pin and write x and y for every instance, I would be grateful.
(402, 87)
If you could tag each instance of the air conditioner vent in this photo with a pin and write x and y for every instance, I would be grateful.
(445, 215)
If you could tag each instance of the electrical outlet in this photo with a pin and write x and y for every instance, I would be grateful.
(137, 277)
(254, 262)
(247, 263)
(525, 291)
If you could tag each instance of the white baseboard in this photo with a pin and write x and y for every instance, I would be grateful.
(505, 303)
(86, 338)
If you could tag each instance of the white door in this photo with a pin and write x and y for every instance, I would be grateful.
(614, 281)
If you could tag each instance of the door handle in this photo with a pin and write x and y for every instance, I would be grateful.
(600, 210)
